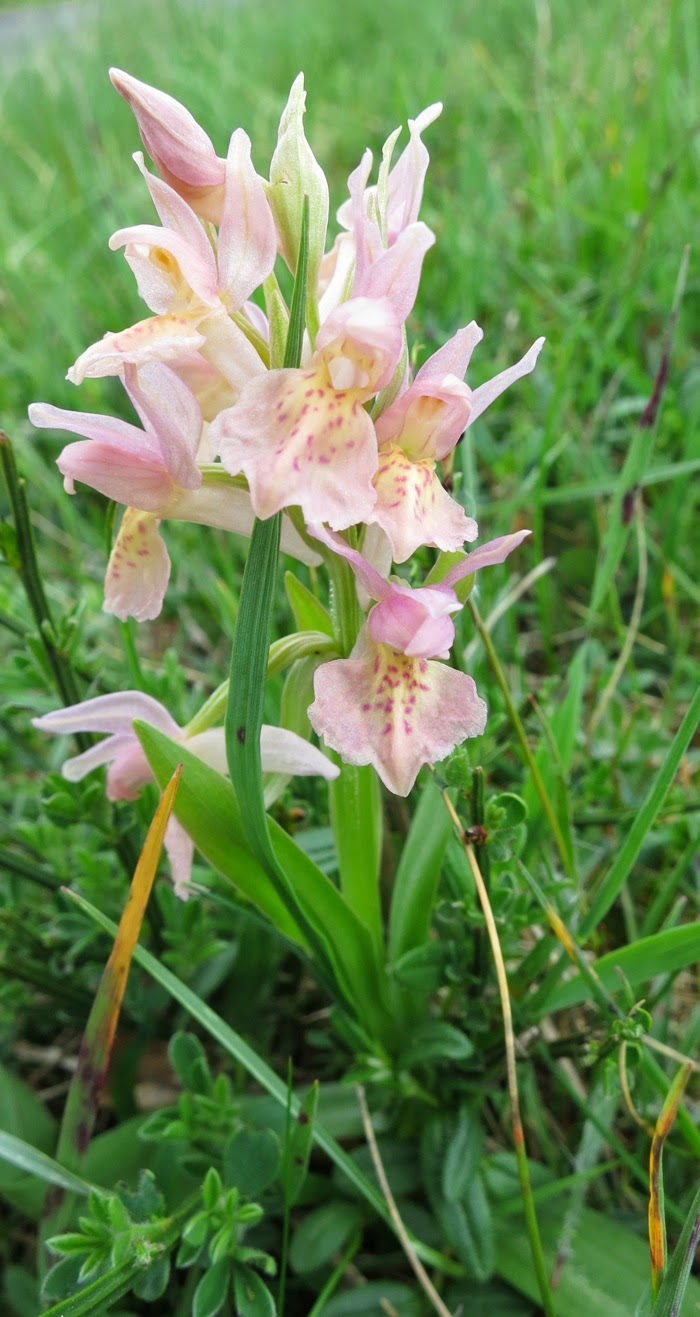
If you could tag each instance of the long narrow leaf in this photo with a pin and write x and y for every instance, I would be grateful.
(26, 1158)
(234, 1045)
(206, 805)
(663, 953)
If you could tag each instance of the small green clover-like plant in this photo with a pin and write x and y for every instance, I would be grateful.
(119, 1227)
(213, 1238)
(205, 1115)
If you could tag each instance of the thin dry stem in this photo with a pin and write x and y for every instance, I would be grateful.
(511, 1069)
(416, 1265)
(626, 1092)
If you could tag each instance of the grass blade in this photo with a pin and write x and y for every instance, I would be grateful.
(27, 1158)
(615, 879)
(669, 1299)
(663, 953)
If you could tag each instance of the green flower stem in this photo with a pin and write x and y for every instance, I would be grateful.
(519, 730)
(355, 796)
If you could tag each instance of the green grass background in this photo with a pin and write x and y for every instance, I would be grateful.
(563, 190)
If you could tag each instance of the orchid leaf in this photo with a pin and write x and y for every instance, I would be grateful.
(207, 807)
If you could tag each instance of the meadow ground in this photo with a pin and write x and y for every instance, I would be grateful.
(563, 193)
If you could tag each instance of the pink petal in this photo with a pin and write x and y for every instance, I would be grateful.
(174, 140)
(365, 231)
(413, 508)
(173, 211)
(376, 551)
(281, 751)
(129, 771)
(486, 555)
(301, 443)
(229, 351)
(175, 262)
(124, 472)
(247, 238)
(172, 414)
(112, 713)
(453, 358)
(370, 580)
(138, 569)
(395, 274)
(226, 507)
(93, 425)
(179, 849)
(487, 393)
(428, 418)
(360, 344)
(212, 391)
(405, 622)
(75, 769)
(159, 338)
(407, 178)
(394, 712)
(258, 319)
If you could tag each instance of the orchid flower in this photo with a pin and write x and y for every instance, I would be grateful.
(155, 472)
(422, 427)
(193, 290)
(389, 704)
(282, 751)
(303, 437)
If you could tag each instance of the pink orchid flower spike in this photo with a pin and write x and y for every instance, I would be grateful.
(421, 428)
(390, 704)
(128, 770)
(155, 473)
